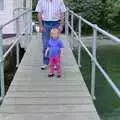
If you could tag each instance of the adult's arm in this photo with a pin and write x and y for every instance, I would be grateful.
(39, 10)
(40, 19)
(62, 13)
(62, 16)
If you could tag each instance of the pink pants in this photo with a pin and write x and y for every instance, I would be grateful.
(55, 61)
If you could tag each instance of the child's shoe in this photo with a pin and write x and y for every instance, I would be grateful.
(59, 76)
(50, 75)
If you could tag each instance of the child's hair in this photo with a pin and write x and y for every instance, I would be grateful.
(55, 30)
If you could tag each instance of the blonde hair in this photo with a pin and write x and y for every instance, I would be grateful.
(55, 30)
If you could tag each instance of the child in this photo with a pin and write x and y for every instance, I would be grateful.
(55, 49)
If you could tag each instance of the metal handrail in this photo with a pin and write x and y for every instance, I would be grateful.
(16, 42)
(14, 19)
(19, 37)
(93, 54)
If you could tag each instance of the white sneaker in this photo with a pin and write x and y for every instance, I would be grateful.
(43, 67)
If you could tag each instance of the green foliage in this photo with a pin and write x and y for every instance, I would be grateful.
(89, 9)
(34, 4)
(34, 15)
(112, 13)
(105, 13)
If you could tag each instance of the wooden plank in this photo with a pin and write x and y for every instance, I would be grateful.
(49, 94)
(47, 87)
(46, 108)
(70, 89)
(48, 101)
(52, 116)
(47, 83)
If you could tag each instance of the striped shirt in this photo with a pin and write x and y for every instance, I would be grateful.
(50, 9)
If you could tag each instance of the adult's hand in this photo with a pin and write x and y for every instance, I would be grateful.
(60, 28)
(41, 29)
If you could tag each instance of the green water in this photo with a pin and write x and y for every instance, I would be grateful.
(107, 103)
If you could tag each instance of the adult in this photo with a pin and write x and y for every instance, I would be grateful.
(50, 15)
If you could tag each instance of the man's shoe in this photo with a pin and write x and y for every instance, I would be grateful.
(43, 67)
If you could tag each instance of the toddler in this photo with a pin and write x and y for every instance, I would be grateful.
(55, 49)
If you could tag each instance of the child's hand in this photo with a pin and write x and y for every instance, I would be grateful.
(60, 29)
(61, 55)
(45, 54)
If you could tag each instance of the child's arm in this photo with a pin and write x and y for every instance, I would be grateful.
(61, 48)
(46, 52)
(48, 47)
(61, 51)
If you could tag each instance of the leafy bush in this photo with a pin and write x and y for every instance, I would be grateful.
(105, 13)
(112, 14)
(89, 9)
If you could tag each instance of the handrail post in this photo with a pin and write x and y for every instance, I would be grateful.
(72, 25)
(79, 45)
(66, 24)
(1, 66)
(26, 30)
(17, 44)
(25, 23)
(30, 25)
(93, 63)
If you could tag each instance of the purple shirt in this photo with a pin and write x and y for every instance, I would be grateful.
(54, 47)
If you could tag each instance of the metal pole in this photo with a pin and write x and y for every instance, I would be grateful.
(93, 63)
(66, 24)
(31, 20)
(25, 31)
(17, 44)
(79, 45)
(27, 28)
(72, 25)
(30, 26)
(1, 66)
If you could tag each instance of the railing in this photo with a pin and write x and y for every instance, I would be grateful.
(19, 34)
(92, 55)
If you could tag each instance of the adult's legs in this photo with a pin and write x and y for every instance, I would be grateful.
(46, 36)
